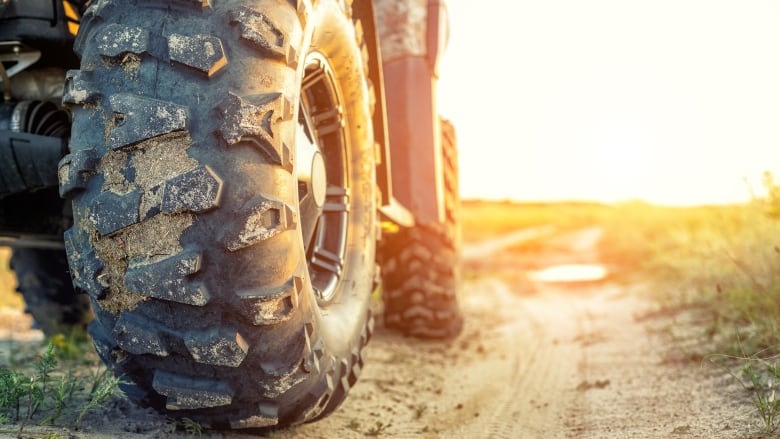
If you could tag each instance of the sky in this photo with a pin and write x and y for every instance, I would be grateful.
(669, 101)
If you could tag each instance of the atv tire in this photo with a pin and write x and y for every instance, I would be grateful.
(44, 282)
(420, 265)
(222, 176)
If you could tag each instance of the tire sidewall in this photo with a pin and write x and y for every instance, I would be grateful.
(331, 35)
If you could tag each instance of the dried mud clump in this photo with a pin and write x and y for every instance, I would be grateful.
(156, 238)
(144, 169)
(111, 250)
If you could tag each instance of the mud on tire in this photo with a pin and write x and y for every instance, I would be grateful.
(221, 171)
(420, 265)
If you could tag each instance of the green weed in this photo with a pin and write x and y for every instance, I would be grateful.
(105, 387)
(192, 428)
(419, 410)
(762, 382)
(378, 429)
(353, 425)
(53, 388)
(187, 425)
(63, 393)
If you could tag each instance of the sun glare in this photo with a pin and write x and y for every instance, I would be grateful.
(570, 273)
(670, 102)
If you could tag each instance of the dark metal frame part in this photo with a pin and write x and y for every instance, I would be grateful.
(407, 131)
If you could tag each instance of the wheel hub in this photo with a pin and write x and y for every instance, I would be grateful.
(311, 168)
(321, 171)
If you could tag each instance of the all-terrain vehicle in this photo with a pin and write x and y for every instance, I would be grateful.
(221, 180)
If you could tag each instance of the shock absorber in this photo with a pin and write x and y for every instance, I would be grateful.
(33, 139)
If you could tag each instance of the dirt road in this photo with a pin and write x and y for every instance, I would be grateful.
(541, 360)
(536, 360)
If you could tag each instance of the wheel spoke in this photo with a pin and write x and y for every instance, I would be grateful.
(337, 200)
(327, 260)
(328, 122)
(310, 215)
(324, 197)
(312, 79)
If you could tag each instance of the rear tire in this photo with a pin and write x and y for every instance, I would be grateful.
(44, 282)
(222, 176)
(420, 265)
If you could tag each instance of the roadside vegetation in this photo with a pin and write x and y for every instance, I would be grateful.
(716, 271)
(55, 386)
(50, 387)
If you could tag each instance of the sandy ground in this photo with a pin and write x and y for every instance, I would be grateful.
(536, 360)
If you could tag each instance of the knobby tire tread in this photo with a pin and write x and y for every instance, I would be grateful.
(420, 265)
(180, 171)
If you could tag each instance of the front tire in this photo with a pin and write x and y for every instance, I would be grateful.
(221, 171)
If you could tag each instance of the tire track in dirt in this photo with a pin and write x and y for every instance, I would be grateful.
(520, 381)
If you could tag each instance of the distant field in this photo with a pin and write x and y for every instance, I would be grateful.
(697, 248)
(484, 219)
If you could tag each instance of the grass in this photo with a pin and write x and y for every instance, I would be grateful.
(719, 266)
(55, 388)
(483, 220)
(378, 429)
(719, 260)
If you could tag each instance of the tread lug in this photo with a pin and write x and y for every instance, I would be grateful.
(195, 191)
(302, 9)
(357, 367)
(184, 393)
(256, 119)
(258, 220)
(116, 40)
(174, 286)
(201, 52)
(112, 212)
(138, 336)
(75, 169)
(84, 267)
(218, 346)
(283, 381)
(311, 356)
(257, 29)
(143, 118)
(78, 91)
(269, 307)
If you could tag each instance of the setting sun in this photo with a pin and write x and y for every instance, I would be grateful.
(670, 102)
